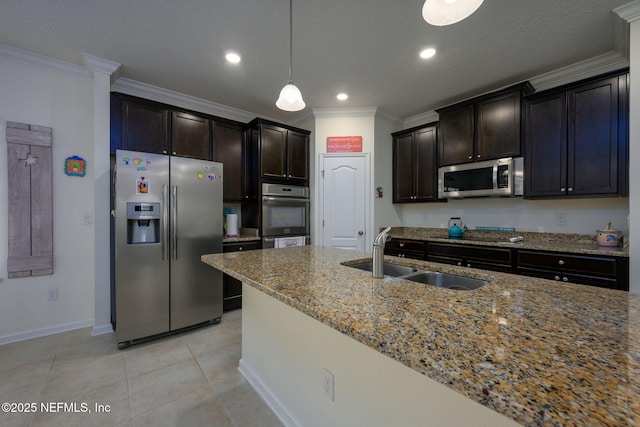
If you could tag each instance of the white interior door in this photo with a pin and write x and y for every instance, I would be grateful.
(344, 200)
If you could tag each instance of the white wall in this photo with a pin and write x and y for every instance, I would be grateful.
(33, 95)
(583, 216)
(337, 123)
(634, 158)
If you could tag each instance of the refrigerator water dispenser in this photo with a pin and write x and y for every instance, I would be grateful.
(143, 223)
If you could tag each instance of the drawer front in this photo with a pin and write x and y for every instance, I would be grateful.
(404, 248)
(599, 266)
(582, 279)
(406, 245)
(471, 253)
(240, 246)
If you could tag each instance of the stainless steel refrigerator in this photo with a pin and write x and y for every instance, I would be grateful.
(168, 213)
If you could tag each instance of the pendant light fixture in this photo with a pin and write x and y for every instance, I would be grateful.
(290, 96)
(447, 12)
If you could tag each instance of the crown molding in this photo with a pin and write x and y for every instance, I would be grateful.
(629, 12)
(102, 65)
(610, 61)
(166, 96)
(605, 63)
(43, 62)
(327, 113)
(421, 119)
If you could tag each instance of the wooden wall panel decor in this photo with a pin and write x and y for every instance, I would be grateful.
(30, 200)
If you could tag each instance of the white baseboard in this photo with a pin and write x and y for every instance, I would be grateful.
(286, 417)
(102, 329)
(50, 330)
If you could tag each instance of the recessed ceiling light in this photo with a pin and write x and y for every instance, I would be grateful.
(233, 57)
(427, 53)
(342, 96)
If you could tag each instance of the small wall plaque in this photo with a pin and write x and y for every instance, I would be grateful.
(75, 166)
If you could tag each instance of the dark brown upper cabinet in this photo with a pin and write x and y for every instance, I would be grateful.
(231, 149)
(482, 128)
(283, 151)
(190, 136)
(576, 139)
(414, 165)
(142, 126)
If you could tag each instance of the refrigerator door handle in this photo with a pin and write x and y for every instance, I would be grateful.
(174, 223)
(165, 223)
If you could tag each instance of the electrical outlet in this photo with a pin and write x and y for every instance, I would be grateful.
(561, 219)
(327, 384)
(52, 294)
(87, 218)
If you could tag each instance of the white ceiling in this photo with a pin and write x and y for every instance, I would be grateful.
(367, 48)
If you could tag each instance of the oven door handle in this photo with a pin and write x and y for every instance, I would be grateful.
(283, 199)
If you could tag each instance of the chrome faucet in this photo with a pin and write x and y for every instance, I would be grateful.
(378, 253)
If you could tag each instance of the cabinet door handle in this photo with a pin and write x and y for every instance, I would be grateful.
(562, 189)
(470, 157)
(478, 156)
(561, 262)
(459, 262)
(240, 248)
(556, 277)
(565, 279)
(469, 265)
(570, 189)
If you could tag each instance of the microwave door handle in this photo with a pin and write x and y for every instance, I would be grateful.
(495, 175)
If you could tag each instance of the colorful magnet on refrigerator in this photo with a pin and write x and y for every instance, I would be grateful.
(142, 186)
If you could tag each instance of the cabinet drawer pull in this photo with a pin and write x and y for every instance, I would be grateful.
(459, 262)
(556, 277)
(240, 248)
(561, 262)
(565, 279)
(468, 265)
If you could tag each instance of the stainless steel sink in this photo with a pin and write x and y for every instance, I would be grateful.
(392, 270)
(444, 280)
(434, 278)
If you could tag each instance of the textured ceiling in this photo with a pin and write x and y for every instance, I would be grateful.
(367, 48)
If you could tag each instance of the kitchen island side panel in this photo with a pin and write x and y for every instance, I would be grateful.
(285, 351)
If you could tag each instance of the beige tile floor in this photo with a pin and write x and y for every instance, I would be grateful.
(190, 379)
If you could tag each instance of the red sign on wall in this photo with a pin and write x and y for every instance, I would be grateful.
(344, 144)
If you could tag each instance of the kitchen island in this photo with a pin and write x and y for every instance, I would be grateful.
(519, 350)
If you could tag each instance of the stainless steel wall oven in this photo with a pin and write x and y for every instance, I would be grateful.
(285, 211)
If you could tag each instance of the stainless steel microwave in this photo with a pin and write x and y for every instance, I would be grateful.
(491, 178)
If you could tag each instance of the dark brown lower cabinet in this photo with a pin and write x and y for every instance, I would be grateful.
(474, 256)
(232, 287)
(605, 272)
(405, 248)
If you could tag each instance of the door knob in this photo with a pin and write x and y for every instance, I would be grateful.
(360, 233)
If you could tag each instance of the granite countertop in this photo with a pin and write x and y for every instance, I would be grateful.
(245, 235)
(554, 242)
(537, 351)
